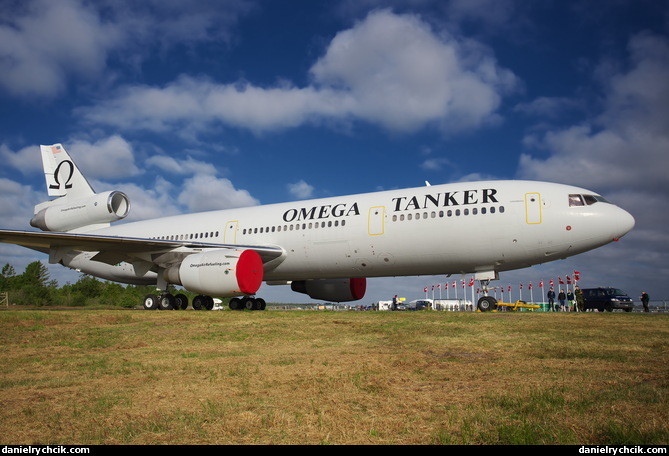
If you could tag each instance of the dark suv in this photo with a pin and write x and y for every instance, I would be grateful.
(606, 298)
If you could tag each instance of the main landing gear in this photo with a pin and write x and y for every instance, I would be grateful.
(167, 301)
(247, 303)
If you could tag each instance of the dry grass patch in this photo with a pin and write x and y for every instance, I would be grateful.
(304, 377)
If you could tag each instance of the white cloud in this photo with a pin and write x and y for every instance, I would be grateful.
(389, 70)
(175, 166)
(205, 192)
(45, 42)
(107, 158)
(626, 145)
(548, 107)
(45, 45)
(153, 201)
(26, 160)
(623, 154)
(17, 204)
(301, 190)
(435, 164)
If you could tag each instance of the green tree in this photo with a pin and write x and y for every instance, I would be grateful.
(88, 286)
(34, 285)
(7, 277)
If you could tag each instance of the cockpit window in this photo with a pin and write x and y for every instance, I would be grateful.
(592, 199)
(582, 200)
(575, 200)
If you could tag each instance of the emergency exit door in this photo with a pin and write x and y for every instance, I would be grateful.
(376, 220)
(230, 233)
(533, 213)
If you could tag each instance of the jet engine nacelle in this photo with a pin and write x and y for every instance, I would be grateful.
(101, 208)
(221, 273)
(336, 290)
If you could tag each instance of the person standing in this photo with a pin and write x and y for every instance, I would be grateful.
(561, 299)
(644, 300)
(551, 300)
(580, 302)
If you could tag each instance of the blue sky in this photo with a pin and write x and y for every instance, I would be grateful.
(189, 106)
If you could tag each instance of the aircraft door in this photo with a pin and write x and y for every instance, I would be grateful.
(376, 220)
(533, 214)
(230, 233)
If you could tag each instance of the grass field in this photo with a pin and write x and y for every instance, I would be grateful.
(308, 377)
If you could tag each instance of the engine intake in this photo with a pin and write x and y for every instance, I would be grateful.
(336, 290)
(102, 208)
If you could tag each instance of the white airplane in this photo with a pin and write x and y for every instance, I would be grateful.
(325, 248)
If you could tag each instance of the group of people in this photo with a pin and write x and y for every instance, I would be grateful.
(571, 301)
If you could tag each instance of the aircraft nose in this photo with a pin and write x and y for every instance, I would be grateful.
(625, 222)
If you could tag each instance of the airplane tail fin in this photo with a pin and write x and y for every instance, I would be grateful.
(63, 178)
(76, 207)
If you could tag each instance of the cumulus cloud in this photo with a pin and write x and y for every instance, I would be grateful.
(26, 160)
(435, 164)
(108, 158)
(36, 64)
(205, 192)
(45, 45)
(301, 190)
(389, 70)
(17, 204)
(548, 107)
(621, 153)
(187, 166)
(615, 148)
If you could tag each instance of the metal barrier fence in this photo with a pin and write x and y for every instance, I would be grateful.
(657, 306)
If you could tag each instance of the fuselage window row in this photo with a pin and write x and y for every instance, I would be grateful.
(449, 213)
(294, 227)
(188, 237)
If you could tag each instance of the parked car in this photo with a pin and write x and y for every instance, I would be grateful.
(606, 298)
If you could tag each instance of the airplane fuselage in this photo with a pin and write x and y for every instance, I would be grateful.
(471, 227)
(325, 247)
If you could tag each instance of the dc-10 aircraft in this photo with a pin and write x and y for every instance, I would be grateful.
(325, 248)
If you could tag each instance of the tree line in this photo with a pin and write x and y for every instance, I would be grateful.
(34, 287)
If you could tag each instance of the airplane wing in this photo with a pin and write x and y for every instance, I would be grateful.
(113, 249)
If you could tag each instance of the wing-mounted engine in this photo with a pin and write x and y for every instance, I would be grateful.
(335, 290)
(220, 272)
(95, 211)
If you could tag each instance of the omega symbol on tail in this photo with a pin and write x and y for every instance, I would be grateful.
(57, 173)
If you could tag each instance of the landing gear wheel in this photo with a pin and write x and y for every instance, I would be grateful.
(487, 303)
(248, 303)
(150, 302)
(209, 302)
(260, 304)
(235, 304)
(166, 302)
(181, 302)
(199, 302)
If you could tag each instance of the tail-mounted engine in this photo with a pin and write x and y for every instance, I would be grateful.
(335, 290)
(69, 214)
